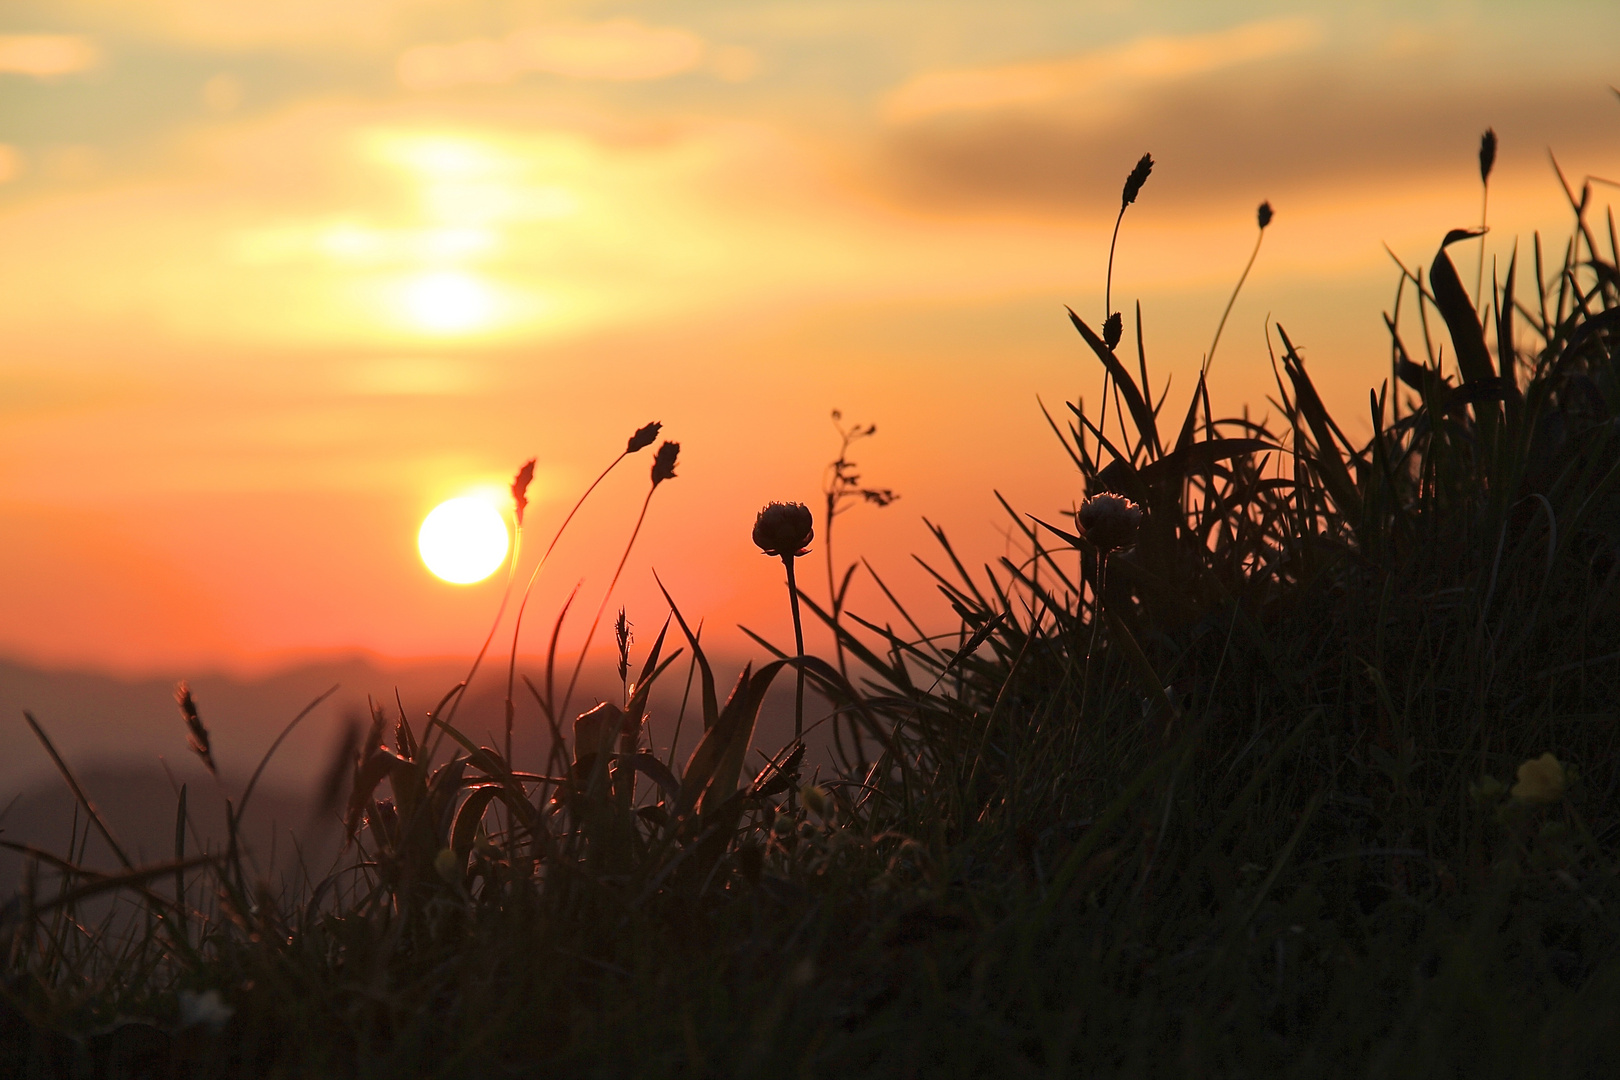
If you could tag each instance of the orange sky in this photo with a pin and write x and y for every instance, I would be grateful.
(278, 277)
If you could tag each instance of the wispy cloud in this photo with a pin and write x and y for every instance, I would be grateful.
(47, 56)
(621, 50)
(1107, 73)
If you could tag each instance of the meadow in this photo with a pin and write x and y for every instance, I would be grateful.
(1284, 754)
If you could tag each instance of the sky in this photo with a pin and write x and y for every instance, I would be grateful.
(279, 276)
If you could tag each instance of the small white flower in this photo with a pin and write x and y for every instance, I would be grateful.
(206, 1009)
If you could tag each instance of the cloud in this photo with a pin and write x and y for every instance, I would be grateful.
(621, 50)
(47, 56)
(1343, 123)
(1108, 74)
(311, 25)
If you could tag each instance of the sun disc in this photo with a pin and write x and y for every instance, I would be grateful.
(463, 540)
(449, 302)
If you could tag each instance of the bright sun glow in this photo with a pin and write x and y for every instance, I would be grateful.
(463, 540)
(448, 302)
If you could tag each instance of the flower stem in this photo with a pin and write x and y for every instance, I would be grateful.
(798, 644)
(1241, 279)
(1096, 620)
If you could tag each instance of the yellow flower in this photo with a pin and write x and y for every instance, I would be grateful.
(1541, 780)
(448, 866)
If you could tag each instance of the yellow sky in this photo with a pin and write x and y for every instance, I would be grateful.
(277, 278)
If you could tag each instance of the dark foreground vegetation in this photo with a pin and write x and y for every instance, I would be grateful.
(1320, 782)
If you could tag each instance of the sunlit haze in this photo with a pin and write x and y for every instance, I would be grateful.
(281, 277)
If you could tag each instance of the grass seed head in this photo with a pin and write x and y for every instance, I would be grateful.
(1134, 182)
(1113, 329)
(643, 437)
(664, 462)
(621, 638)
(1265, 214)
(196, 734)
(1110, 521)
(1487, 155)
(520, 489)
(784, 529)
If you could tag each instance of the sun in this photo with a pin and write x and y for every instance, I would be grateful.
(463, 540)
(449, 302)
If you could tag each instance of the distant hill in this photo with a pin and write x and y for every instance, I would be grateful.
(281, 830)
(118, 733)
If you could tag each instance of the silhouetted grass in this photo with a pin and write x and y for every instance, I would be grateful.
(1318, 780)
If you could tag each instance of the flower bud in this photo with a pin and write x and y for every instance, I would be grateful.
(784, 529)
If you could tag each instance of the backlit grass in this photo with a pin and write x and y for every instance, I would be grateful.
(1307, 770)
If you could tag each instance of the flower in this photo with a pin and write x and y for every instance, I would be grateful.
(206, 1009)
(784, 529)
(1110, 521)
(1541, 780)
(1265, 214)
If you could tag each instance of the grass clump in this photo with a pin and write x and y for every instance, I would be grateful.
(1289, 755)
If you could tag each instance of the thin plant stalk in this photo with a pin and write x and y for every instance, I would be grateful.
(1265, 219)
(517, 624)
(579, 663)
(663, 469)
(1487, 162)
(500, 612)
(640, 440)
(1108, 281)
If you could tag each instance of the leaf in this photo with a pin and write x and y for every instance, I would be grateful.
(378, 761)
(1327, 462)
(1141, 415)
(469, 814)
(711, 709)
(715, 766)
(1185, 459)
(1458, 234)
(1467, 338)
(658, 773)
(1505, 353)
